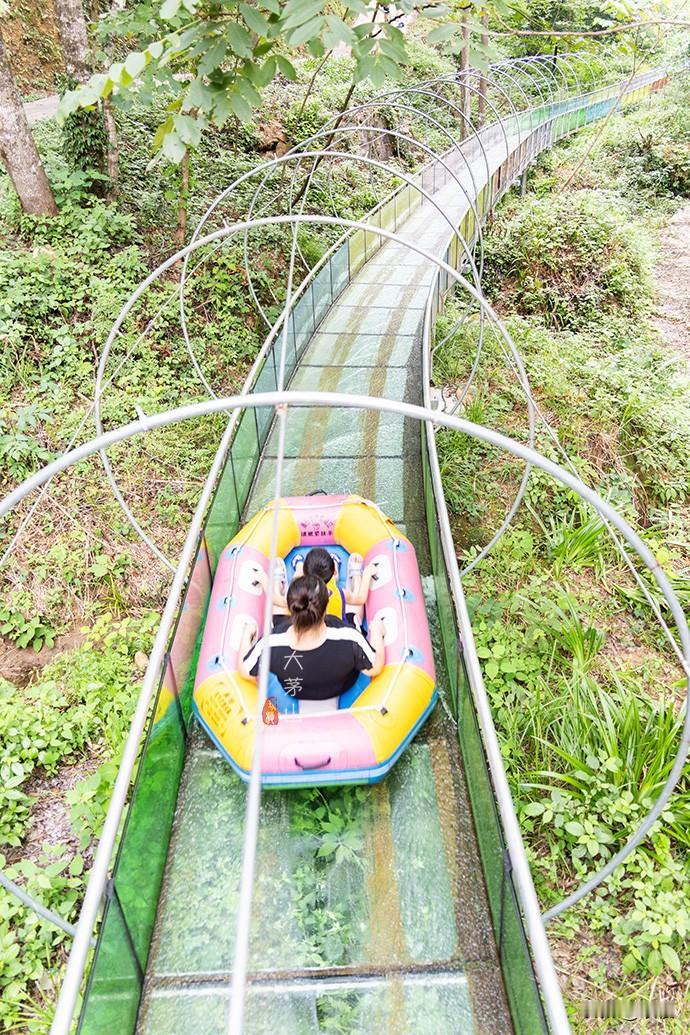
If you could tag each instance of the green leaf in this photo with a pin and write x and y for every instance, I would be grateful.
(443, 32)
(300, 12)
(629, 963)
(76, 867)
(251, 96)
(491, 669)
(169, 9)
(655, 963)
(199, 96)
(339, 32)
(256, 22)
(239, 39)
(535, 808)
(305, 32)
(286, 68)
(188, 129)
(240, 106)
(263, 74)
(670, 956)
(173, 148)
(135, 63)
(575, 828)
(213, 58)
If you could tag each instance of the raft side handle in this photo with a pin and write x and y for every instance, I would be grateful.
(316, 765)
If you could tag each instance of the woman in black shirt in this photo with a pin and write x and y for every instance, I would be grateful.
(316, 662)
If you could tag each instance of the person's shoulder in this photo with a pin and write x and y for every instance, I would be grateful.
(333, 622)
(340, 630)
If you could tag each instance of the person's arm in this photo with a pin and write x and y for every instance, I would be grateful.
(359, 594)
(246, 642)
(377, 644)
(277, 599)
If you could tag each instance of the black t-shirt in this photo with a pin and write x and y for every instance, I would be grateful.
(321, 672)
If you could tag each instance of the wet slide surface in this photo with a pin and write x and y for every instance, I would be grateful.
(369, 911)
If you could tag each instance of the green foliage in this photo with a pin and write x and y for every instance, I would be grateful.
(29, 946)
(83, 135)
(82, 703)
(84, 697)
(568, 259)
(20, 452)
(575, 669)
(578, 540)
(229, 62)
(302, 121)
(89, 801)
(331, 825)
(645, 154)
(21, 625)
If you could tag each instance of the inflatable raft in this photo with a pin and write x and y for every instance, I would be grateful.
(377, 718)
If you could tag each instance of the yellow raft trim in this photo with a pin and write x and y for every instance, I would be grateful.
(411, 695)
(258, 532)
(360, 526)
(219, 701)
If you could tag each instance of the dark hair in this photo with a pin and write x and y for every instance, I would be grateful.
(320, 563)
(307, 598)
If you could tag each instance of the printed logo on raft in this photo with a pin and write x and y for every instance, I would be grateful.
(318, 527)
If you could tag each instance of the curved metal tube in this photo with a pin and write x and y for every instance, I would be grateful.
(106, 349)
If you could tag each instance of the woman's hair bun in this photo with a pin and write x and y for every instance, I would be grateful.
(307, 598)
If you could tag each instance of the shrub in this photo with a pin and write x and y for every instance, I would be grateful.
(567, 259)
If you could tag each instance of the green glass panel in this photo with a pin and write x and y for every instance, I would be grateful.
(303, 319)
(359, 349)
(394, 296)
(144, 846)
(115, 981)
(356, 250)
(190, 621)
(266, 382)
(382, 482)
(353, 318)
(223, 519)
(245, 454)
(523, 994)
(426, 907)
(322, 292)
(395, 1006)
(388, 215)
(340, 271)
(372, 242)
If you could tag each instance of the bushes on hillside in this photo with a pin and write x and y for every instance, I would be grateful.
(567, 258)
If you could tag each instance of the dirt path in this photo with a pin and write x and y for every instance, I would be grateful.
(43, 108)
(672, 278)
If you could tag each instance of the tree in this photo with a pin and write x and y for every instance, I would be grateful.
(213, 59)
(18, 150)
(74, 39)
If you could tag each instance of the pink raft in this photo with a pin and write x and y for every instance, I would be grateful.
(375, 720)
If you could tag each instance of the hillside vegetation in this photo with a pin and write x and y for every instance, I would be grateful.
(586, 692)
